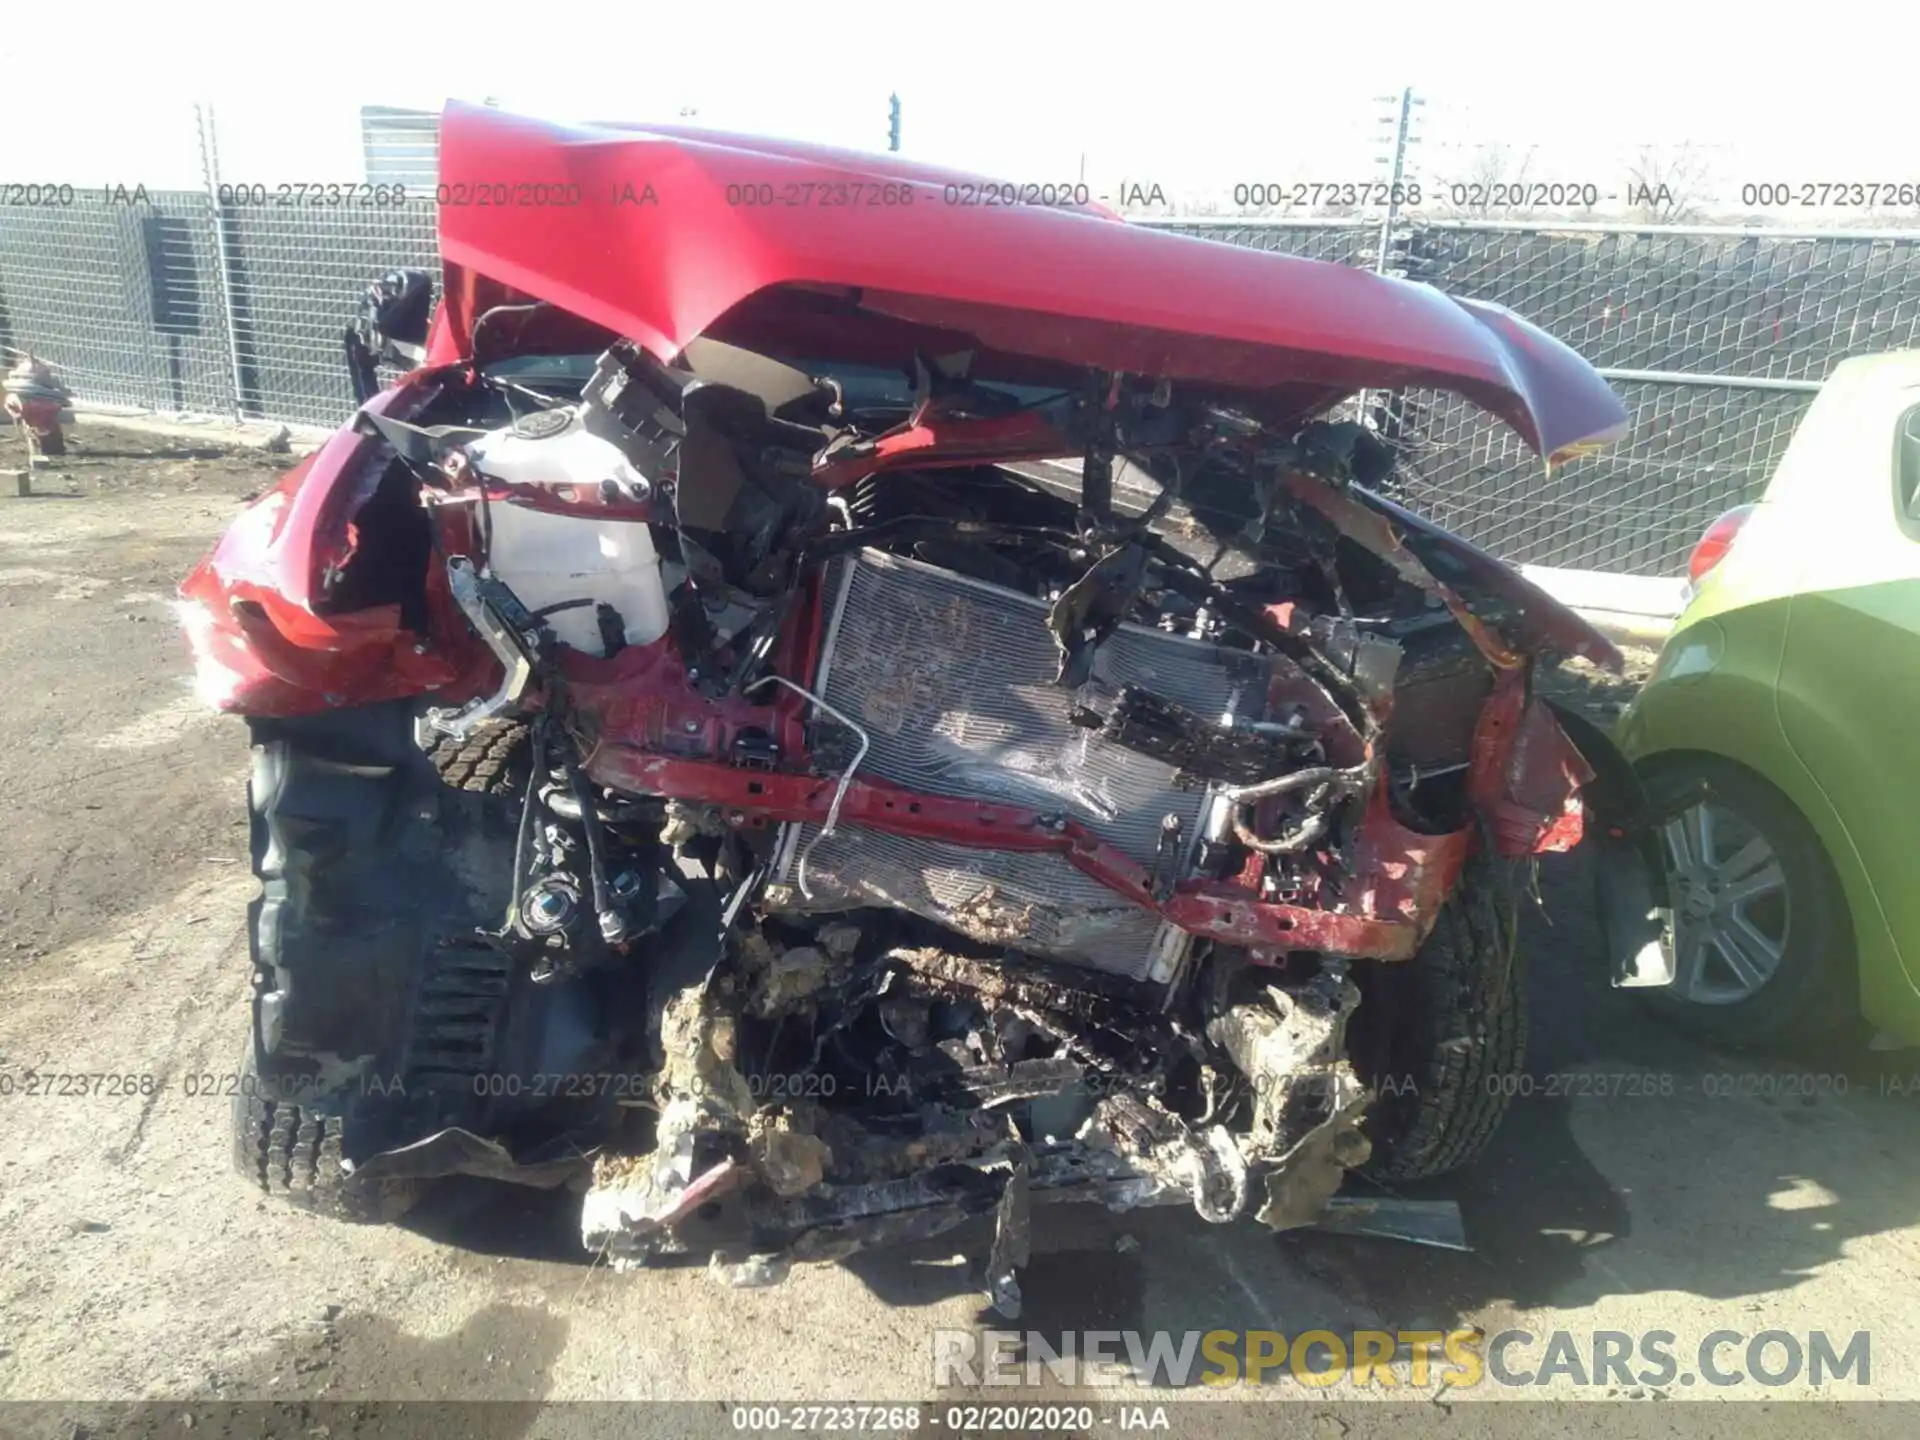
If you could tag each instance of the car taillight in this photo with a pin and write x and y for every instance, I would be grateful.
(1719, 539)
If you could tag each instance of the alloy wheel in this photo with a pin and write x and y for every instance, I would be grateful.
(1729, 902)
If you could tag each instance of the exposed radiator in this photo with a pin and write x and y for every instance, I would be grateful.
(952, 679)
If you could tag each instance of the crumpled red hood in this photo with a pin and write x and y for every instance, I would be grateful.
(666, 243)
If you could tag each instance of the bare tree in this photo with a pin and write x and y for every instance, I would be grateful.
(1490, 185)
(1670, 184)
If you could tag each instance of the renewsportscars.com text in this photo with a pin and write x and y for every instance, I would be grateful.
(1419, 1359)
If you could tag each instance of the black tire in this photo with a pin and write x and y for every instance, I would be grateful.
(491, 761)
(295, 1155)
(376, 865)
(1436, 1035)
(1813, 994)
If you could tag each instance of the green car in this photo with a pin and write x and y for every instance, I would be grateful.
(1761, 885)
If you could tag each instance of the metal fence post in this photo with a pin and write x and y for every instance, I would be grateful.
(1396, 168)
(210, 173)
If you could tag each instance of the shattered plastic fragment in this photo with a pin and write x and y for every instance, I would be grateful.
(751, 1273)
(1012, 1244)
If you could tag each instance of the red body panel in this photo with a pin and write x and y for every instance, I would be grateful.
(1026, 287)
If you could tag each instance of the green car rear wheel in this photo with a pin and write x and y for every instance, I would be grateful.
(1760, 938)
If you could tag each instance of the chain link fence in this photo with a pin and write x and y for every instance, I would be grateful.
(295, 274)
(1716, 342)
(1715, 339)
(212, 302)
(123, 298)
(1637, 508)
(1740, 304)
(174, 303)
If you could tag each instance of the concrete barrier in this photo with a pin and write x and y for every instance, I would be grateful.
(1636, 609)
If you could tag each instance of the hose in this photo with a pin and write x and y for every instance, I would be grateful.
(1327, 784)
(523, 839)
(846, 778)
(479, 325)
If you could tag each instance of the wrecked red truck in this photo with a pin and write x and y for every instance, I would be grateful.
(816, 710)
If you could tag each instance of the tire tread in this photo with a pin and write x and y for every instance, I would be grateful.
(1475, 1028)
(298, 1156)
(483, 763)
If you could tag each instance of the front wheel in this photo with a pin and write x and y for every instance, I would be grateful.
(1438, 1037)
(376, 864)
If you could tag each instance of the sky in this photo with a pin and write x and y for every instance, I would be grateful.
(1196, 96)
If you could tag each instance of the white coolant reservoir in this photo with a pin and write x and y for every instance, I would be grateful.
(549, 559)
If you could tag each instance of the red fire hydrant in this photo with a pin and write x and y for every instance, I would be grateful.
(36, 399)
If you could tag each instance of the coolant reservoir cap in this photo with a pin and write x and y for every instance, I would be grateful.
(542, 424)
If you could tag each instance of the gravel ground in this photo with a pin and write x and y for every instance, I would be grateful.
(139, 1268)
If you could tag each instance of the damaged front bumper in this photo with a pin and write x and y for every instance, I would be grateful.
(757, 1180)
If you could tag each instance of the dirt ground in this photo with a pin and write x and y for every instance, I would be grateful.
(138, 1267)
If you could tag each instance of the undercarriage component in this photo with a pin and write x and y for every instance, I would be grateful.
(1307, 1101)
(1091, 609)
(1012, 1245)
(549, 907)
(706, 1110)
(1317, 790)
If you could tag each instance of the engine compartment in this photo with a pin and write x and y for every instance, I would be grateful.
(978, 830)
(663, 548)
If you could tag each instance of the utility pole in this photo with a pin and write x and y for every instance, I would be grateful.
(1400, 118)
(893, 122)
(210, 176)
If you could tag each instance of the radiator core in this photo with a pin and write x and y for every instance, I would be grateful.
(952, 679)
